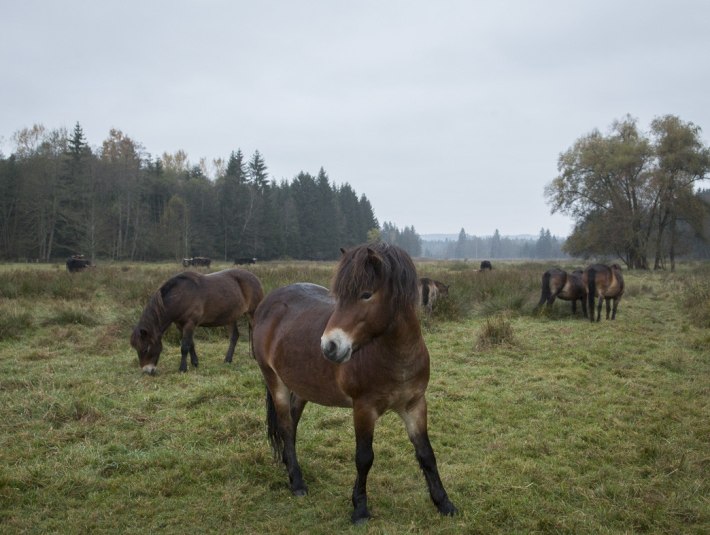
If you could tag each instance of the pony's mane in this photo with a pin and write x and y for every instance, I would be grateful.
(372, 266)
(153, 316)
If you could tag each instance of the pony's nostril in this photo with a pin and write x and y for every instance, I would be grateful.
(331, 348)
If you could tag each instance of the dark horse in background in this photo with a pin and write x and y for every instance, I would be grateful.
(607, 284)
(429, 292)
(557, 283)
(77, 263)
(189, 300)
(359, 347)
(197, 261)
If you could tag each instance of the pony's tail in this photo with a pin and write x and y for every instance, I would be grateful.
(272, 424)
(545, 289)
(591, 290)
(250, 322)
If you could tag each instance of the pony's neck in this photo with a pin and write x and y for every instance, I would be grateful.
(155, 319)
(404, 335)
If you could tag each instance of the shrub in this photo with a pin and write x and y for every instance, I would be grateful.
(497, 330)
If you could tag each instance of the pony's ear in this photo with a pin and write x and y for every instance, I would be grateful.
(375, 259)
(342, 250)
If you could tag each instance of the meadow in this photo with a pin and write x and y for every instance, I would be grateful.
(541, 422)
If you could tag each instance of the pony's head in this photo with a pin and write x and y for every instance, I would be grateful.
(146, 337)
(373, 286)
(148, 346)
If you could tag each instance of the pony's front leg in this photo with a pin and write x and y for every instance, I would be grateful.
(415, 420)
(187, 345)
(364, 420)
(232, 343)
(608, 306)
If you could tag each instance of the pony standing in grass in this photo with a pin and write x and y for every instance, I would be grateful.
(359, 347)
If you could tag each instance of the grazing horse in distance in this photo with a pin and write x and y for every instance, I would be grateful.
(197, 261)
(557, 283)
(189, 300)
(429, 292)
(359, 346)
(244, 261)
(486, 265)
(606, 283)
(77, 263)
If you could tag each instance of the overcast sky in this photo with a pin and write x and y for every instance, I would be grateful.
(445, 114)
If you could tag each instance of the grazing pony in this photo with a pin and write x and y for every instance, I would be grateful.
(486, 265)
(606, 283)
(197, 261)
(244, 260)
(429, 292)
(557, 283)
(77, 263)
(359, 347)
(191, 299)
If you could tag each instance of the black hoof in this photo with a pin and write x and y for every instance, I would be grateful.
(448, 509)
(360, 518)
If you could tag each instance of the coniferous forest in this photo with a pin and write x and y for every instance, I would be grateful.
(59, 197)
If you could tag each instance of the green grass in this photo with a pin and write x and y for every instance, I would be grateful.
(562, 427)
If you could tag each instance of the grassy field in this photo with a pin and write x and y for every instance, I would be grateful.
(541, 423)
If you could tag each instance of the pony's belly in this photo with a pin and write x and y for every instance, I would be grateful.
(312, 381)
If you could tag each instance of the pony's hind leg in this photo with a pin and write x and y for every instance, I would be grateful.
(282, 430)
(613, 310)
(599, 309)
(233, 337)
(608, 306)
(415, 420)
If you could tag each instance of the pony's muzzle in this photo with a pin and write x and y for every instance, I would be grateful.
(336, 346)
(149, 369)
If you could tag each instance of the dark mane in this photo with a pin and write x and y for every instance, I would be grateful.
(369, 267)
(154, 315)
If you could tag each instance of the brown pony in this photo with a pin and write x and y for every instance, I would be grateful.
(557, 283)
(360, 347)
(605, 282)
(191, 299)
(429, 292)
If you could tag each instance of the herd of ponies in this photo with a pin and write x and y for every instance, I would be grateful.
(358, 344)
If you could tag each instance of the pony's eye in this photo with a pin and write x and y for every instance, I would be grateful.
(365, 295)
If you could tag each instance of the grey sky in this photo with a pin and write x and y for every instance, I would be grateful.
(446, 114)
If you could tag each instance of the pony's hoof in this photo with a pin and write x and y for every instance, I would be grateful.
(300, 492)
(360, 517)
(448, 509)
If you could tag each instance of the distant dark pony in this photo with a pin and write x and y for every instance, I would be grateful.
(359, 347)
(430, 291)
(486, 265)
(196, 261)
(77, 263)
(189, 300)
(557, 283)
(605, 283)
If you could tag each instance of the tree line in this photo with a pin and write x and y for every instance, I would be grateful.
(634, 195)
(467, 247)
(59, 197)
